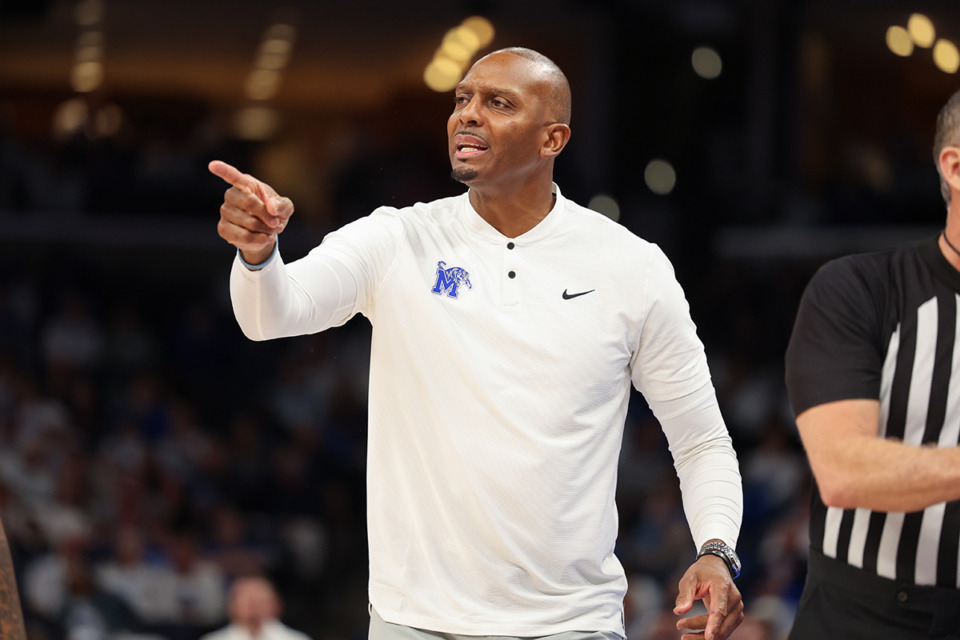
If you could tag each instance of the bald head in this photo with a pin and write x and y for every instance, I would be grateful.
(509, 122)
(558, 97)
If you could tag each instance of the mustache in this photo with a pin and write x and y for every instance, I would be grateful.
(471, 134)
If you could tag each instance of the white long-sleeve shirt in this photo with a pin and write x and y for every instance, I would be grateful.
(499, 381)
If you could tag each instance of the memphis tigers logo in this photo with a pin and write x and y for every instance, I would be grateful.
(450, 280)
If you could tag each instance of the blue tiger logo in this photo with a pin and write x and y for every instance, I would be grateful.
(449, 280)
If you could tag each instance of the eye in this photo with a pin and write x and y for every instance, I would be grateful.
(500, 104)
(461, 99)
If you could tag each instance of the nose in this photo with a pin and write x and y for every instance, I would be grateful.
(470, 113)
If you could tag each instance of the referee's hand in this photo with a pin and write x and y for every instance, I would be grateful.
(252, 213)
(708, 579)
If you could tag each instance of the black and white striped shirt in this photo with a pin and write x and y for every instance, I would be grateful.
(885, 326)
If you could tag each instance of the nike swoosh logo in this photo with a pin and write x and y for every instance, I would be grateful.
(568, 296)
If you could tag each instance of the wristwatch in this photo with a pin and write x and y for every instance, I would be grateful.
(725, 553)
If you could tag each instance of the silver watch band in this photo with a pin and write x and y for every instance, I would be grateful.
(725, 553)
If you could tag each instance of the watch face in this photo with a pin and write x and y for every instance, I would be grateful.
(726, 553)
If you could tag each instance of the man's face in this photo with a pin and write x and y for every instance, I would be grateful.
(253, 602)
(499, 121)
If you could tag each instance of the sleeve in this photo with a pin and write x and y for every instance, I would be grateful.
(324, 289)
(835, 350)
(668, 360)
(706, 464)
(670, 368)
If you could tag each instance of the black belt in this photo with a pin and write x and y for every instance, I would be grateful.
(904, 594)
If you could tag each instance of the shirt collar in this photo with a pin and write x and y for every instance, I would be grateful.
(481, 228)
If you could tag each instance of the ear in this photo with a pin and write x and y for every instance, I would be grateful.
(558, 135)
(950, 167)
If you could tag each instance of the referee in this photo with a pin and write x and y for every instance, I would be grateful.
(873, 374)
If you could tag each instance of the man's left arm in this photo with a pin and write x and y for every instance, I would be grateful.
(670, 369)
(710, 482)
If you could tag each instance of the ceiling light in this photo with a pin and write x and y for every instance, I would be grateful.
(464, 37)
(442, 74)
(256, 123)
(899, 41)
(946, 56)
(660, 177)
(602, 203)
(921, 30)
(86, 76)
(88, 12)
(481, 28)
(69, 118)
(456, 51)
(281, 31)
(262, 84)
(706, 62)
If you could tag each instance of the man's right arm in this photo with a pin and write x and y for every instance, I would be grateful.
(270, 299)
(856, 468)
(310, 295)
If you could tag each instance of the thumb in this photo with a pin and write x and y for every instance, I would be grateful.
(284, 206)
(271, 204)
(684, 600)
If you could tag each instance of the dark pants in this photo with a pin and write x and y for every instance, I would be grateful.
(841, 601)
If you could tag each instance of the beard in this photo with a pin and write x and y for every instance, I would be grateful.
(463, 173)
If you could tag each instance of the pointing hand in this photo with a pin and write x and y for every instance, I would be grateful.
(252, 213)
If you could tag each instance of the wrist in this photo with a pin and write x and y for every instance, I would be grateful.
(726, 553)
(255, 261)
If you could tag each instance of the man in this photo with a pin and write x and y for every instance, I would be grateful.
(11, 614)
(872, 371)
(508, 325)
(254, 609)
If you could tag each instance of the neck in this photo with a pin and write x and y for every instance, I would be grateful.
(514, 212)
(949, 240)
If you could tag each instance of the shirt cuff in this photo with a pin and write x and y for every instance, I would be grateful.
(257, 267)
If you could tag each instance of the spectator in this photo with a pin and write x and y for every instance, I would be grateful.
(130, 577)
(255, 610)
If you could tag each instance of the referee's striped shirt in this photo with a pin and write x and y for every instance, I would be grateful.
(885, 326)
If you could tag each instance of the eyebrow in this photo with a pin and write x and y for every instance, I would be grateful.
(507, 93)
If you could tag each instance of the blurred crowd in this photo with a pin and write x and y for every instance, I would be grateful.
(140, 471)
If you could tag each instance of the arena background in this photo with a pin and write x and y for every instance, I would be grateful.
(149, 452)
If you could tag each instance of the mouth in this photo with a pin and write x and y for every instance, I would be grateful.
(468, 146)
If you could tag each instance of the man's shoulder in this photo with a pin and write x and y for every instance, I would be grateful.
(874, 268)
(417, 214)
(423, 207)
(396, 218)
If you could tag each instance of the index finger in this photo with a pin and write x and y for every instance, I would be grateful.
(230, 174)
(716, 613)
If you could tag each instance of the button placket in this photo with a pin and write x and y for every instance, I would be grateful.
(511, 287)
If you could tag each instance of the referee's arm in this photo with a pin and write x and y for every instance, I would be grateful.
(856, 468)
